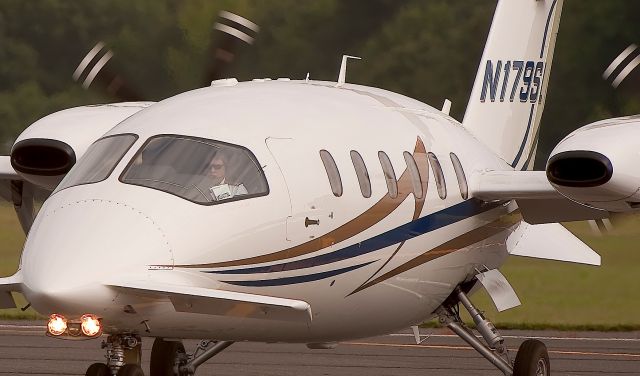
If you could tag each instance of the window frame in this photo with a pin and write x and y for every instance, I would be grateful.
(391, 183)
(361, 173)
(207, 141)
(115, 165)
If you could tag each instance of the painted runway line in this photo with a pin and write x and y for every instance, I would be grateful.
(554, 338)
(453, 347)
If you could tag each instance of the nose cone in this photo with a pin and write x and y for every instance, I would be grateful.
(74, 248)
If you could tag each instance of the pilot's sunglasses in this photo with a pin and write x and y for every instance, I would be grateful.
(217, 166)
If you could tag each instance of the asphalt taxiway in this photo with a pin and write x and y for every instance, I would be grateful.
(24, 350)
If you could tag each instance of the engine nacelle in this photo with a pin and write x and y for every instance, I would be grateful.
(599, 165)
(46, 150)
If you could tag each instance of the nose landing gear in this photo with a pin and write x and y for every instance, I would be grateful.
(168, 358)
(98, 369)
(532, 358)
(130, 370)
(123, 357)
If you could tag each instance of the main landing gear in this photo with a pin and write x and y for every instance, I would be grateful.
(531, 359)
(168, 358)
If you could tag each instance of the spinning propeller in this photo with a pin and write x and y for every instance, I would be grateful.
(622, 66)
(230, 33)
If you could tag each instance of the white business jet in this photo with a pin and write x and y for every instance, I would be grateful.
(302, 211)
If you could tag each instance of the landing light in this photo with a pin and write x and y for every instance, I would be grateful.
(91, 326)
(57, 325)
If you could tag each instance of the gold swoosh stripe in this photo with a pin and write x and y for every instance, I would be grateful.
(420, 156)
(464, 240)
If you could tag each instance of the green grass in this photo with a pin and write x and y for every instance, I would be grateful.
(554, 295)
(11, 242)
(559, 295)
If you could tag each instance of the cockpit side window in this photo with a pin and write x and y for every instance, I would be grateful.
(99, 161)
(203, 171)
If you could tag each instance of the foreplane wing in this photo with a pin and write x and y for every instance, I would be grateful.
(21, 193)
(7, 174)
(6, 171)
(220, 302)
(538, 201)
(7, 285)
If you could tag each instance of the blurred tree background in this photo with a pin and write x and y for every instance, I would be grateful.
(426, 49)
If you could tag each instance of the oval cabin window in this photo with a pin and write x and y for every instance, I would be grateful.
(438, 175)
(415, 174)
(389, 174)
(332, 172)
(361, 173)
(462, 180)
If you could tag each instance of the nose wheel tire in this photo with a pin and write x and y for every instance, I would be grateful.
(130, 370)
(98, 369)
(532, 359)
(165, 357)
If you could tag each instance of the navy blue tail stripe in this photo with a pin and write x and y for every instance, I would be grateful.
(400, 234)
(546, 28)
(297, 279)
(524, 141)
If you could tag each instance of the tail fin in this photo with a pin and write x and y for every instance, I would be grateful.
(509, 92)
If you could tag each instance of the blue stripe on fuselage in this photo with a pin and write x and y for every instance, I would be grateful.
(431, 222)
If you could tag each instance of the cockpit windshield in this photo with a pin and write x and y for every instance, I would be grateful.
(199, 170)
(99, 161)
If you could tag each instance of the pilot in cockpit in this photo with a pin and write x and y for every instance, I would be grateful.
(222, 188)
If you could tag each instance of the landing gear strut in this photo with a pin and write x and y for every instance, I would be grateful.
(168, 358)
(532, 358)
(205, 351)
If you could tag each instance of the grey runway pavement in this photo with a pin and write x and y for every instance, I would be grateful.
(24, 350)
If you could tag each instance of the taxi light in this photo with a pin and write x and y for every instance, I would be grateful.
(57, 325)
(91, 326)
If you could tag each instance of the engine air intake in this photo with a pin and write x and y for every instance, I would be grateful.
(43, 157)
(579, 168)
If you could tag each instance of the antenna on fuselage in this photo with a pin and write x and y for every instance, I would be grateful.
(343, 69)
(446, 107)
